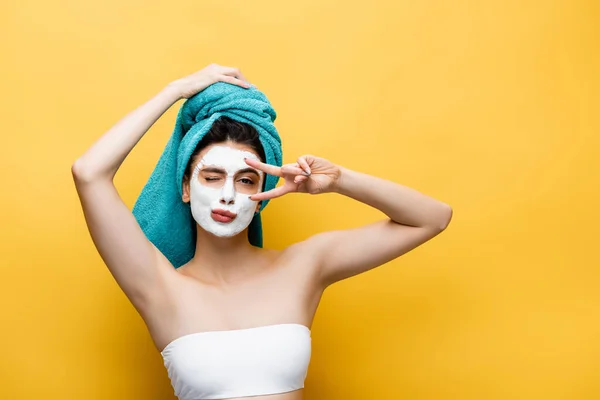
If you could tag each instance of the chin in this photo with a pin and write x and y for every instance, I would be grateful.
(218, 231)
(225, 234)
(225, 230)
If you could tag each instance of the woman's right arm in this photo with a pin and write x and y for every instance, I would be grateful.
(132, 259)
(136, 264)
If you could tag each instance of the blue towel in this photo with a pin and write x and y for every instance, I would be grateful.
(165, 219)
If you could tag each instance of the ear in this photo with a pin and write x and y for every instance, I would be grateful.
(185, 197)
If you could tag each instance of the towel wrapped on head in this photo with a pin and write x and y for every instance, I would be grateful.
(161, 213)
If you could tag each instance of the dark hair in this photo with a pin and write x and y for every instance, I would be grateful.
(227, 129)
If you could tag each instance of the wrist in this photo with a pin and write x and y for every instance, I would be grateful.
(173, 91)
(340, 183)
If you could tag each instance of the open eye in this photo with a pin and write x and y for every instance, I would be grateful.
(247, 181)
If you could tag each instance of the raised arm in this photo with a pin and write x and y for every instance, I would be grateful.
(414, 217)
(132, 260)
(136, 264)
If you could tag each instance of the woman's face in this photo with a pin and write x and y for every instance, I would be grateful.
(220, 186)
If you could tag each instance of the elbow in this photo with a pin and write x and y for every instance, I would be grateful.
(446, 217)
(79, 171)
(82, 172)
(441, 219)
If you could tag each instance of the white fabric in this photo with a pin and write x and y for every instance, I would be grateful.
(238, 363)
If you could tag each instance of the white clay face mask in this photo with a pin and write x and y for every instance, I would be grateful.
(222, 192)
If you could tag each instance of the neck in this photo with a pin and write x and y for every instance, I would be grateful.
(223, 259)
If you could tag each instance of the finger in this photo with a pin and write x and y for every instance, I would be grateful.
(292, 169)
(269, 169)
(304, 164)
(270, 194)
(233, 81)
(300, 178)
(235, 72)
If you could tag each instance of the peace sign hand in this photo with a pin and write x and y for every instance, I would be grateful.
(310, 174)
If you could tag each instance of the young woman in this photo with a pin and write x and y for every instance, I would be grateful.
(235, 320)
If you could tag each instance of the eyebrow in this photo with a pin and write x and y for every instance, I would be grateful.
(222, 171)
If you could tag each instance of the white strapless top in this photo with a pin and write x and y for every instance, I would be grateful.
(239, 363)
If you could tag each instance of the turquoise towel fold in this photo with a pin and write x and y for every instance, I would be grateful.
(165, 219)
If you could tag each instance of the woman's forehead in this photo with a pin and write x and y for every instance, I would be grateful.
(227, 153)
(227, 158)
(231, 146)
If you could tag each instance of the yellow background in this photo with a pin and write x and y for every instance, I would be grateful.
(490, 106)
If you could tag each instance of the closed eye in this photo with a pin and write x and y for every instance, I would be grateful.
(246, 181)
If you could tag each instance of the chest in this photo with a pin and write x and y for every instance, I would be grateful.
(272, 298)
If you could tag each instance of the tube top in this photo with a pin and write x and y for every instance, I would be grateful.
(239, 363)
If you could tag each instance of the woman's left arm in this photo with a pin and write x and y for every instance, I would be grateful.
(414, 218)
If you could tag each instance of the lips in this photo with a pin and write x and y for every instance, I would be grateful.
(220, 215)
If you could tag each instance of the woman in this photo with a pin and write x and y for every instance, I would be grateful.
(234, 321)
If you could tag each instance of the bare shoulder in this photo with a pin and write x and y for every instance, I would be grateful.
(301, 257)
(306, 249)
(301, 251)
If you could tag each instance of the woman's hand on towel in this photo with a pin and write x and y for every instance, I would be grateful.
(188, 86)
(310, 174)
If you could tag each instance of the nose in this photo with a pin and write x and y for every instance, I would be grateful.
(228, 192)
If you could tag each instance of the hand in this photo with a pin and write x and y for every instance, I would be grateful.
(309, 175)
(198, 81)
